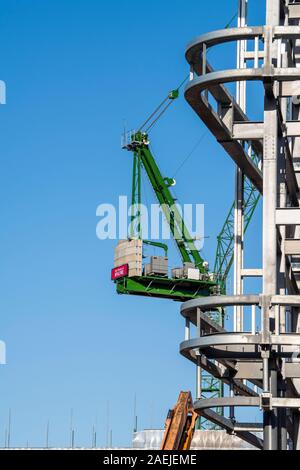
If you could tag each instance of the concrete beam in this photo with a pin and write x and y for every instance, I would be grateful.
(292, 247)
(248, 131)
(294, 11)
(252, 272)
(288, 216)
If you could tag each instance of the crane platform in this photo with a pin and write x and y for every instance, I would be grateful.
(178, 290)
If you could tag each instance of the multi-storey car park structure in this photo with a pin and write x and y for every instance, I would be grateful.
(260, 366)
(257, 364)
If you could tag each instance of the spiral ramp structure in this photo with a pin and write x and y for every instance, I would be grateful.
(258, 359)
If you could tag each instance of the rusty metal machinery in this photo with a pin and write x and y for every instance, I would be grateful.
(180, 424)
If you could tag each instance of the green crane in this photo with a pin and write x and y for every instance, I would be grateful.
(181, 289)
(143, 158)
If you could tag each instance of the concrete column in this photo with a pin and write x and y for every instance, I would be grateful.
(239, 181)
(296, 437)
(270, 175)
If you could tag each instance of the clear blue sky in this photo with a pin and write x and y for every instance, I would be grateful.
(74, 72)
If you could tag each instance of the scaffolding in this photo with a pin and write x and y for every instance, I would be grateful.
(258, 365)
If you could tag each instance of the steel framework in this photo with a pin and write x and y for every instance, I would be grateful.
(259, 364)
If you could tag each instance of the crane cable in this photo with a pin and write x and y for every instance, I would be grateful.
(158, 113)
(154, 113)
(158, 117)
(169, 100)
(231, 21)
(184, 162)
(206, 132)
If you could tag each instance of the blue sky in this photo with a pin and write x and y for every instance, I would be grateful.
(74, 75)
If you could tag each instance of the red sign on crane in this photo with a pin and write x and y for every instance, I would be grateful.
(118, 273)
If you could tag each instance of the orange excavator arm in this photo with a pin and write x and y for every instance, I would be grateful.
(180, 424)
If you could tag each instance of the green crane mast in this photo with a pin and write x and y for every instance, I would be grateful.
(143, 158)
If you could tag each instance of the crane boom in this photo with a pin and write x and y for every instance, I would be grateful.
(188, 251)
